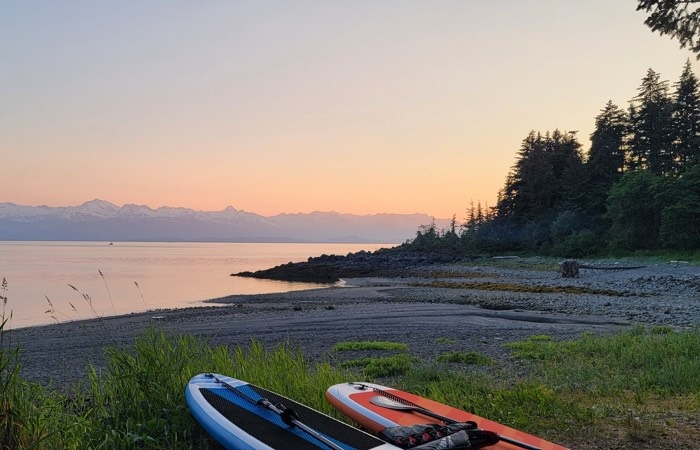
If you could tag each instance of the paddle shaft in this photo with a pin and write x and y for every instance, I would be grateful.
(405, 405)
(266, 403)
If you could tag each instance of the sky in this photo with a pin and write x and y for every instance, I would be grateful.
(295, 106)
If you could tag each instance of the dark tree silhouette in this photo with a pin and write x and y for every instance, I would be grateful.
(650, 126)
(529, 189)
(679, 19)
(635, 211)
(638, 188)
(686, 121)
(545, 177)
(606, 158)
(680, 217)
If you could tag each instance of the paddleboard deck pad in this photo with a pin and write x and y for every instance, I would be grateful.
(234, 413)
(355, 400)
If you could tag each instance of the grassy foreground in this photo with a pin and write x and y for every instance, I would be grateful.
(638, 389)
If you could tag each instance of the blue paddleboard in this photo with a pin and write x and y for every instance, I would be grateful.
(243, 416)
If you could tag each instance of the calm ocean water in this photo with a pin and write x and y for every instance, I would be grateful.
(76, 280)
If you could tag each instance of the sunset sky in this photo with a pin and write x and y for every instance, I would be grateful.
(362, 107)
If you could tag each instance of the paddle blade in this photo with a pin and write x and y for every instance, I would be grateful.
(390, 404)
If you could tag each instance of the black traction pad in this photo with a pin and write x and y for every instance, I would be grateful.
(278, 435)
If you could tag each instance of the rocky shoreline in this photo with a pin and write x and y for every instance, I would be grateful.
(434, 308)
(394, 262)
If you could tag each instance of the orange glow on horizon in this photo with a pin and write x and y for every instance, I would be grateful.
(355, 108)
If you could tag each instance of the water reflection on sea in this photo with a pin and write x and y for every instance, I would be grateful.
(60, 281)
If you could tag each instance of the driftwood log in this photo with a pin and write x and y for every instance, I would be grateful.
(586, 266)
(570, 268)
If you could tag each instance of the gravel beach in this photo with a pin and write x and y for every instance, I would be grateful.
(478, 307)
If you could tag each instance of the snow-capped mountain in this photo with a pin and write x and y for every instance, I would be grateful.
(100, 220)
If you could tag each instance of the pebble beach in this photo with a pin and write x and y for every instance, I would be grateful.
(437, 308)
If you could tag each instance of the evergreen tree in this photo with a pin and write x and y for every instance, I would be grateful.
(630, 163)
(686, 121)
(650, 124)
(677, 18)
(471, 216)
(606, 159)
(475, 217)
(680, 217)
(634, 210)
(480, 217)
(505, 201)
(639, 186)
(568, 171)
(546, 177)
(529, 189)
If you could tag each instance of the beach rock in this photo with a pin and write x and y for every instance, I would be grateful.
(332, 268)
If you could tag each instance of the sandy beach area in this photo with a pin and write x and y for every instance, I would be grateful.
(477, 307)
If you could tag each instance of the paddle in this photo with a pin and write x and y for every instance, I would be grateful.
(288, 415)
(400, 404)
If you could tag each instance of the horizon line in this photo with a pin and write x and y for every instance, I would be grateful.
(224, 209)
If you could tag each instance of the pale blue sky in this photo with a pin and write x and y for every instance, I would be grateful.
(294, 106)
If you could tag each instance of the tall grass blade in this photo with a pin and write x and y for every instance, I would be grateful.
(109, 294)
(141, 294)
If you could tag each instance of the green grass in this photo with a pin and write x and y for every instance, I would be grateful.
(641, 386)
(138, 399)
(527, 405)
(474, 358)
(10, 418)
(382, 367)
(635, 389)
(655, 361)
(377, 366)
(370, 345)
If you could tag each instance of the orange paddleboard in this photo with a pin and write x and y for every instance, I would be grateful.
(355, 401)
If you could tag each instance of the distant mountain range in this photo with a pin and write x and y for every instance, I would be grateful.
(99, 220)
